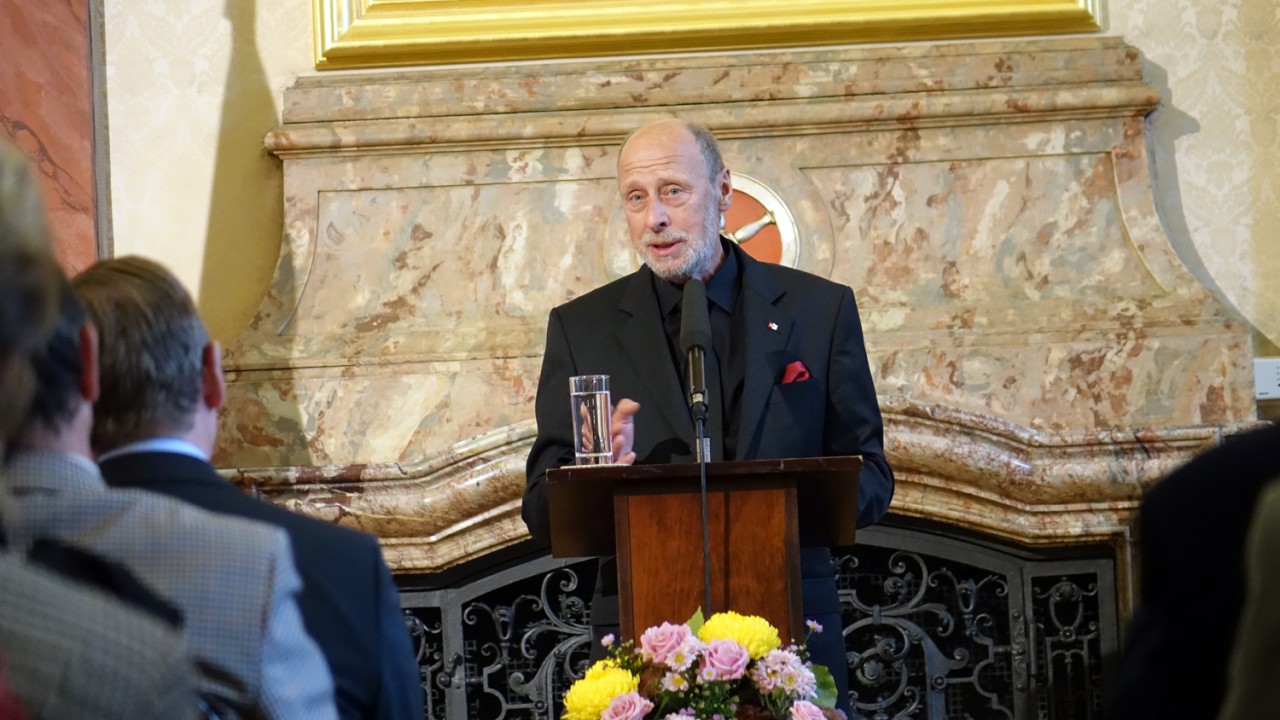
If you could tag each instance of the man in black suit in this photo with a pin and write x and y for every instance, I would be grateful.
(154, 426)
(791, 380)
(1191, 539)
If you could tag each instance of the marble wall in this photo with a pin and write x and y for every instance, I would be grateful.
(46, 108)
(1041, 352)
(205, 80)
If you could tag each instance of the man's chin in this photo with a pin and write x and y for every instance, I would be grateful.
(667, 268)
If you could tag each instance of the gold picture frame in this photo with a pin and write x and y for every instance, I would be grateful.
(372, 33)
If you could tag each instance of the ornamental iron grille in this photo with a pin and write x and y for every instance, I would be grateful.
(936, 627)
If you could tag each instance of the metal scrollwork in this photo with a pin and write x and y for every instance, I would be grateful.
(1068, 650)
(935, 628)
(905, 626)
(569, 638)
(524, 650)
(425, 629)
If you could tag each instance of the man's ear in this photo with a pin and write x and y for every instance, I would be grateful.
(724, 189)
(213, 388)
(90, 387)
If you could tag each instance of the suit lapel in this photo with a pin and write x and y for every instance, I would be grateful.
(644, 342)
(766, 332)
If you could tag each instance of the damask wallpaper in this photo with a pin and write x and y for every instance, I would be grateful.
(1217, 141)
(192, 88)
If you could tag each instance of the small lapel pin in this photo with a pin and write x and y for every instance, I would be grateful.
(773, 326)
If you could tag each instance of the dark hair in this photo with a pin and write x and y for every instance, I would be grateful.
(58, 366)
(151, 350)
(29, 281)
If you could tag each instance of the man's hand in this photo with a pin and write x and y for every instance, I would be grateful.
(588, 439)
(624, 431)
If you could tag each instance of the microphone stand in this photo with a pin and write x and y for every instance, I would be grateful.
(698, 406)
(696, 341)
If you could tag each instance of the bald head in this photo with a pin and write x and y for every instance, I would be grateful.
(708, 147)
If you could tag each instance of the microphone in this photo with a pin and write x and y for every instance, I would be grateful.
(695, 341)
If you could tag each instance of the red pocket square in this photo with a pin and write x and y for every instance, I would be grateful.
(795, 372)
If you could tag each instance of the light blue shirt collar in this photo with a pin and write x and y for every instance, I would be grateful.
(177, 446)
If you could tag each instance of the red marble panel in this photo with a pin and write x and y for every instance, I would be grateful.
(46, 108)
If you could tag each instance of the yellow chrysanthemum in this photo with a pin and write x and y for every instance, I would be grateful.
(752, 632)
(591, 695)
(600, 666)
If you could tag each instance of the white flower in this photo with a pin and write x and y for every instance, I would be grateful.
(683, 657)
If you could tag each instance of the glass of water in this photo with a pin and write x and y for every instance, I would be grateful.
(592, 412)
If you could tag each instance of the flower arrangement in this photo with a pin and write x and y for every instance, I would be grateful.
(728, 666)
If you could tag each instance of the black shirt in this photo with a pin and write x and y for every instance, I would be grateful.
(725, 309)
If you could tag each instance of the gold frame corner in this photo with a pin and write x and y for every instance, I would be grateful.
(386, 33)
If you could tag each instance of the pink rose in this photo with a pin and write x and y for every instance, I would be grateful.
(725, 660)
(631, 706)
(657, 644)
(805, 710)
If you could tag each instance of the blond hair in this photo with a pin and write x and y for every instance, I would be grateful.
(30, 281)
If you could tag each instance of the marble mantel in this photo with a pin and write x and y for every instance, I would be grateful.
(1041, 353)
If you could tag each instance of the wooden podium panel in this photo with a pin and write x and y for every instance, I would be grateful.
(659, 538)
(650, 516)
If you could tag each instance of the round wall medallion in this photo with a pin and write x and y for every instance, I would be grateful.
(759, 221)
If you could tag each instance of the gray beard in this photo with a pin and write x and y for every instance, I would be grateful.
(699, 260)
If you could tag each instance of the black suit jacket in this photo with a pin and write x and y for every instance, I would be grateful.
(349, 604)
(1191, 532)
(790, 315)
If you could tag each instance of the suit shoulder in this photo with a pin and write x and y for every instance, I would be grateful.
(197, 527)
(591, 302)
(229, 527)
(304, 529)
(805, 282)
(794, 276)
(1230, 473)
(226, 501)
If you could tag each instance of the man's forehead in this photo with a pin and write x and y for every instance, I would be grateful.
(654, 162)
(660, 150)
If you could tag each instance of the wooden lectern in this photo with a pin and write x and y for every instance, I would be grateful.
(651, 517)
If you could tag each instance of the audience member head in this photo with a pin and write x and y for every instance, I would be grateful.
(29, 282)
(674, 187)
(161, 376)
(60, 413)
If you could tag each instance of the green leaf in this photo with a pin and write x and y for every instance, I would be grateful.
(826, 686)
(695, 622)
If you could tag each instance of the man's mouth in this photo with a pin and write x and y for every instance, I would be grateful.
(665, 245)
(664, 248)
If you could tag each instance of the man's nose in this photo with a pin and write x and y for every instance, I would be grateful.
(659, 219)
